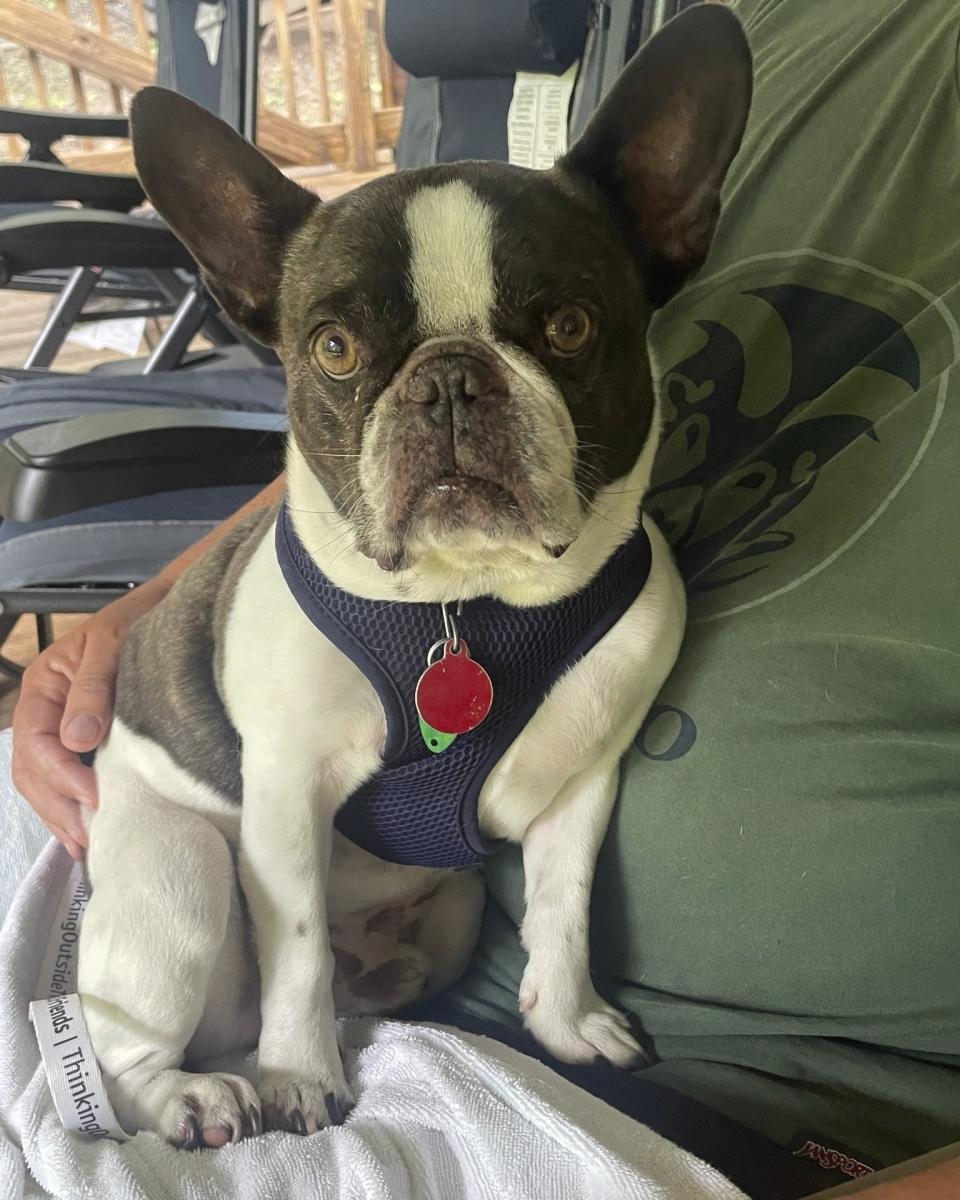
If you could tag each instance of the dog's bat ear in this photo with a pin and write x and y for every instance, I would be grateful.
(231, 208)
(660, 144)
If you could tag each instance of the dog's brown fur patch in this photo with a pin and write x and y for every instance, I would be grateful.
(397, 977)
(385, 920)
(349, 965)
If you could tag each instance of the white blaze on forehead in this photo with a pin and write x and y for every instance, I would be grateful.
(451, 258)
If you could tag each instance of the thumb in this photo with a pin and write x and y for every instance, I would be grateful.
(89, 706)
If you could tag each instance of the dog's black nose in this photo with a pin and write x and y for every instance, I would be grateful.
(451, 380)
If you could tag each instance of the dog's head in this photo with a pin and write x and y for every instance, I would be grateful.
(465, 345)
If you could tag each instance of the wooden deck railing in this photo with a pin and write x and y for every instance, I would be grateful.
(329, 92)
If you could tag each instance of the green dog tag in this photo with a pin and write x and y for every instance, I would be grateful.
(435, 740)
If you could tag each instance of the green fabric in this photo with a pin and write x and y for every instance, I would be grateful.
(778, 897)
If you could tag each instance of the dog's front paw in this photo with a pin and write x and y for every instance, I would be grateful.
(201, 1111)
(580, 1033)
(298, 1106)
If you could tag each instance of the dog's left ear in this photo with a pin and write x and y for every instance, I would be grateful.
(660, 143)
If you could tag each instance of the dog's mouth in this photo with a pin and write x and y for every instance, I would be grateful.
(462, 502)
(458, 501)
(469, 499)
(458, 509)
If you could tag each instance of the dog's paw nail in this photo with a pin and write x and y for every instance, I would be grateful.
(303, 1108)
(336, 1111)
(190, 1134)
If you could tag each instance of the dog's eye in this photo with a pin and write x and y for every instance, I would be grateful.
(335, 351)
(569, 329)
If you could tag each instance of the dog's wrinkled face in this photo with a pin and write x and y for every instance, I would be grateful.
(465, 345)
(465, 349)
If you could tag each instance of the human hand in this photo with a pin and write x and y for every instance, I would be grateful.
(65, 708)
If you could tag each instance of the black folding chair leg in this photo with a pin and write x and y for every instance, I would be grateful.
(189, 319)
(66, 308)
(13, 670)
(214, 328)
(170, 283)
(7, 666)
(45, 634)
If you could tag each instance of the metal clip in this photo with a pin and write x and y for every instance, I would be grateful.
(450, 624)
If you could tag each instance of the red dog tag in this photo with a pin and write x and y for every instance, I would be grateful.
(455, 694)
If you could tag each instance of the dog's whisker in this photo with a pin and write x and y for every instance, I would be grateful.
(339, 536)
(314, 512)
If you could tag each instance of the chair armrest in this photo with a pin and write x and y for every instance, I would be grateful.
(22, 374)
(49, 182)
(79, 237)
(65, 466)
(45, 128)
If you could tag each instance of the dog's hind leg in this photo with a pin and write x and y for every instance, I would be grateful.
(394, 955)
(163, 886)
(450, 928)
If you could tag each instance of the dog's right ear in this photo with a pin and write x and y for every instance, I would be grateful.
(231, 208)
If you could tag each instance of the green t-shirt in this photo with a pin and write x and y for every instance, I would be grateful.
(778, 897)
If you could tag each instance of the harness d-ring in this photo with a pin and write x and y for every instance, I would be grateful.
(450, 625)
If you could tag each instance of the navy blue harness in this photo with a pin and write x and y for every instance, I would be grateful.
(420, 808)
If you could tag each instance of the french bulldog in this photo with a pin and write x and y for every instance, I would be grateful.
(472, 429)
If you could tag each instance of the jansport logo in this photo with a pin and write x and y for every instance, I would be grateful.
(833, 1160)
(800, 393)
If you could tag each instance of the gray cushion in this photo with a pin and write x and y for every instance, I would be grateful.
(131, 540)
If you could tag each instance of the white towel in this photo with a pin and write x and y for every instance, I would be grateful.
(440, 1116)
(22, 836)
